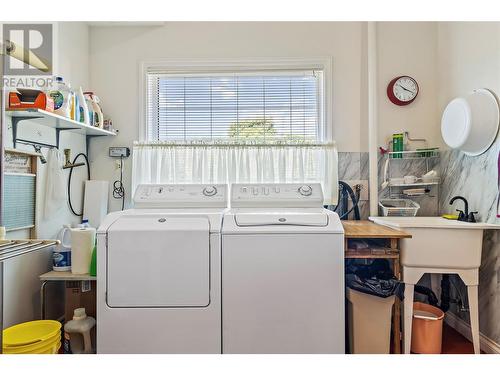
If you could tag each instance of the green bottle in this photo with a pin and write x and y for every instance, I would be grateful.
(93, 261)
(397, 145)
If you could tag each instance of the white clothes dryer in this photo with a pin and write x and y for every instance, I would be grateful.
(158, 272)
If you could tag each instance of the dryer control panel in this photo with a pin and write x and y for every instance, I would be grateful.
(277, 195)
(180, 195)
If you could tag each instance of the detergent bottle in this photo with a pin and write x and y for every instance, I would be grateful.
(61, 257)
(77, 339)
(98, 117)
(61, 94)
(83, 109)
(73, 106)
(93, 261)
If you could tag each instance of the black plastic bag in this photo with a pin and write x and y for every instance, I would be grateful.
(375, 279)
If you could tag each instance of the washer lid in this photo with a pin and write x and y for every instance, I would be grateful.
(158, 261)
(248, 219)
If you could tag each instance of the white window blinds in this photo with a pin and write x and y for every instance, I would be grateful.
(274, 106)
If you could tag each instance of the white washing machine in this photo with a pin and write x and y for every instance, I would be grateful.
(158, 272)
(282, 271)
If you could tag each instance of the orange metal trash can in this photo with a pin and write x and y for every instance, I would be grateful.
(427, 329)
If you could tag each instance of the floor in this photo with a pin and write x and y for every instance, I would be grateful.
(455, 343)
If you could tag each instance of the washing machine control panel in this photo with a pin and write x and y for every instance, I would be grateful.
(277, 195)
(180, 195)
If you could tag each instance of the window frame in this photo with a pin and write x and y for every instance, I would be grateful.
(190, 66)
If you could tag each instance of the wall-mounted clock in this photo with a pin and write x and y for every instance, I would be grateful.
(402, 90)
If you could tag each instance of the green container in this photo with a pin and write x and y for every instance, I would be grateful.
(93, 261)
(397, 145)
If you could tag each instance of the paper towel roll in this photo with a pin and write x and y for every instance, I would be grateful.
(82, 243)
(95, 202)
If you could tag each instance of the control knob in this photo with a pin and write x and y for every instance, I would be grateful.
(209, 191)
(305, 190)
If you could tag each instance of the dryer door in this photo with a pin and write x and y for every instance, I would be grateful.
(158, 261)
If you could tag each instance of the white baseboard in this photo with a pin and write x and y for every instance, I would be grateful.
(487, 345)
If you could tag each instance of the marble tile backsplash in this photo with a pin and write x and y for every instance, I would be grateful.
(354, 166)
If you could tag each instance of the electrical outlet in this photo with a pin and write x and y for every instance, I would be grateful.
(364, 188)
(117, 165)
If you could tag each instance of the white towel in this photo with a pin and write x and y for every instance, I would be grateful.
(55, 188)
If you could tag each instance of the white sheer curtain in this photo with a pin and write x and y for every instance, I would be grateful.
(228, 163)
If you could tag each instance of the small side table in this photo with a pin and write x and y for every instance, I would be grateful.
(364, 229)
(54, 276)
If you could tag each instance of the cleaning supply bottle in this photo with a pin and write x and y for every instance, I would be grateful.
(73, 106)
(77, 338)
(93, 261)
(61, 94)
(84, 224)
(397, 145)
(61, 257)
(96, 108)
(88, 101)
(83, 110)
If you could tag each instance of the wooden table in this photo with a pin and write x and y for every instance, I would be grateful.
(364, 229)
(58, 276)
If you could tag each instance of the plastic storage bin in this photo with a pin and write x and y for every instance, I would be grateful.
(399, 207)
(427, 329)
(369, 322)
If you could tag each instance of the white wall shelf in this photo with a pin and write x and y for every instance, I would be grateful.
(57, 122)
(52, 120)
(396, 188)
(425, 153)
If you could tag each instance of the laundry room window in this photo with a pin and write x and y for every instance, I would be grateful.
(264, 106)
(236, 121)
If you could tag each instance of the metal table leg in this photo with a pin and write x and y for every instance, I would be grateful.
(42, 299)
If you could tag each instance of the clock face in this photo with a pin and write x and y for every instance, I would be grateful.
(402, 90)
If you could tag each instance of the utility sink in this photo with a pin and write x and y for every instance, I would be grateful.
(437, 242)
(439, 246)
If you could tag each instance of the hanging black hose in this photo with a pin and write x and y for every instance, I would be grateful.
(346, 191)
(69, 180)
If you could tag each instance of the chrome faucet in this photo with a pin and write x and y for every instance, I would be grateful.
(464, 215)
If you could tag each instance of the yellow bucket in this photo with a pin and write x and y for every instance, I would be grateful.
(38, 336)
(39, 347)
(49, 349)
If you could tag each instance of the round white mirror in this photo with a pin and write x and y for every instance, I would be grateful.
(471, 123)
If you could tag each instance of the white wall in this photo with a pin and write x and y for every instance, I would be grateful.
(21, 288)
(469, 58)
(409, 48)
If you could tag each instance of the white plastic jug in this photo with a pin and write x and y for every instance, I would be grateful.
(97, 116)
(61, 257)
(83, 110)
(77, 338)
(61, 94)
